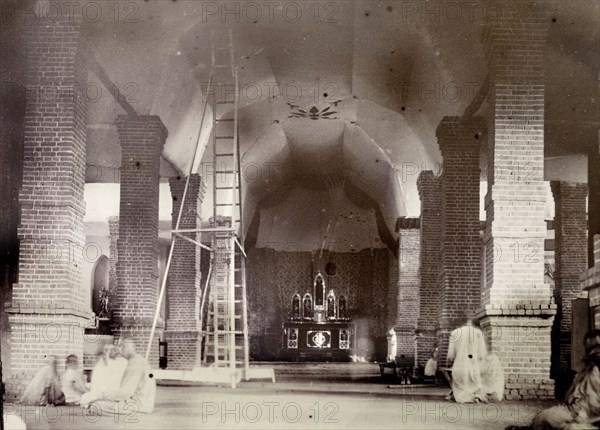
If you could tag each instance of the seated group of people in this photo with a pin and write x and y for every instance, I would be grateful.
(121, 382)
(477, 375)
(46, 388)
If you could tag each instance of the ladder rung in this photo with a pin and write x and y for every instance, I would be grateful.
(223, 137)
(225, 103)
(225, 154)
(225, 120)
(226, 204)
(227, 301)
(225, 171)
(226, 188)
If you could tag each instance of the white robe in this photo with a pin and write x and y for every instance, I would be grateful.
(468, 351)
(137, 391)
(492, 378)
(106, 377)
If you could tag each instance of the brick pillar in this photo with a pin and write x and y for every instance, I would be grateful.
(590, 281)
(571, 260)
(408, 284)
(184, 288)
(517, 309)
(49, 310)
(113, 229)
(430, 192)
(459, 142)
(142, 140)
(12, 118)
(593, 200)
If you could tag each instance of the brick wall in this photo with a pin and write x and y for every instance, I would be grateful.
(459, 140)
(48, 299)
(408, 285)
(142, 139)
(518, 312)
(570, 262)
(184, 284)
(430, 192)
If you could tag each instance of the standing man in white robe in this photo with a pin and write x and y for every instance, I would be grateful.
(467, 352)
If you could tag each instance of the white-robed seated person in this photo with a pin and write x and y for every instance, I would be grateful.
(107, 373)
(73, 382)
(467, 353)
(137, 390)
(431, 366)
(492, 379)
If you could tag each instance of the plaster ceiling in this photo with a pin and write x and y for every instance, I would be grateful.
(389, 69)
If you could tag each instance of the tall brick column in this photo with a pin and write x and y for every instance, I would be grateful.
(184, 290)
(459, 140)
(408, 284)
(430, 191)
(590, 281)
(49, 309)
(517, 308)
(593, 200)
(570, 261)
(142, 140)
(113, 229)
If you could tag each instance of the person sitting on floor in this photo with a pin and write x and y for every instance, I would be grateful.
(492, 378)
(44, 388)
(137, 390)
(107, 373)
(582, 402)
(73, 384)
(432, 365)
(467, 351)
(581, 409)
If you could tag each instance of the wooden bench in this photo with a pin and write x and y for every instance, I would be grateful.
(401, 367)
(388, 365)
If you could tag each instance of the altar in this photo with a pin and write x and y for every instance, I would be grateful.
(319, 328)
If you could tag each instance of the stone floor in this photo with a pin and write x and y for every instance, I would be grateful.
(299, 400)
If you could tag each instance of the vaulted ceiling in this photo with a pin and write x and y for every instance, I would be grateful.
(378, 76)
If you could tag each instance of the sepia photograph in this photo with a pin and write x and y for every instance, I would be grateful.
(300, 214)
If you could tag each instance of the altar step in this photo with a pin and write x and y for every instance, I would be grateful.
(213, 375)
(285, 369)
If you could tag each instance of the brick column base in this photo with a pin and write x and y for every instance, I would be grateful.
(524, 344)
(36, 336)
(183, 349)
